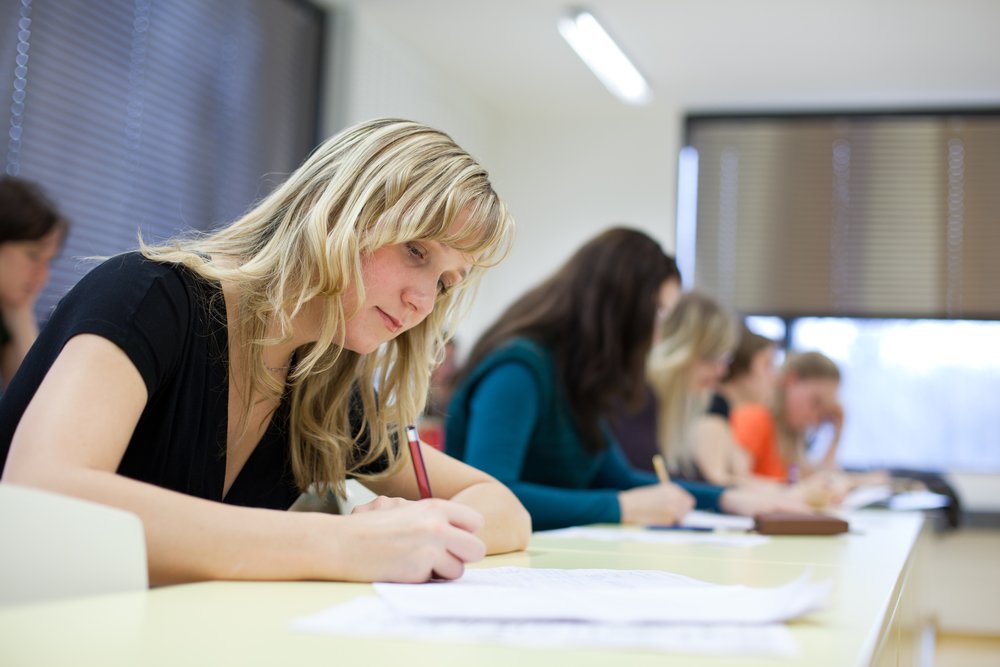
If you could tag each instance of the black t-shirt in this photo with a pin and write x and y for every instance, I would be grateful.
(719, 406)
(171, 324)
(4, 333)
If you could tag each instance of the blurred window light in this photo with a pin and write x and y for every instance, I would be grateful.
(767, 326)
(916, 393)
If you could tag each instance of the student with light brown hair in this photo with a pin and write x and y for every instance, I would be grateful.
(774, 436)
(204, 384)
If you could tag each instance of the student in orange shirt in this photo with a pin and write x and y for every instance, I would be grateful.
(751, 377)
(775, 436)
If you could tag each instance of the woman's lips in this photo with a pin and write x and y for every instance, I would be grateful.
(391, 323)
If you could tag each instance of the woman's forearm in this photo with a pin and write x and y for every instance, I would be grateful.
(192, 539)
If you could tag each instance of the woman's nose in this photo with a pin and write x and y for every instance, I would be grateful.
(421, 300)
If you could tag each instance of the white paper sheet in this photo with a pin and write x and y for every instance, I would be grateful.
(865, 495)
(608, 596)
(918, 500)
(700, 519)
(373, 617)
(652, 536)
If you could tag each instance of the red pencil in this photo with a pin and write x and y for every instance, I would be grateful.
(423, 481)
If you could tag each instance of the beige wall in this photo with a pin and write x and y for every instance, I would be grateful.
(567, 176)
(564, 178)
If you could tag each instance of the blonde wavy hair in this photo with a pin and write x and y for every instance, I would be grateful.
(698, 328)
(378, 183)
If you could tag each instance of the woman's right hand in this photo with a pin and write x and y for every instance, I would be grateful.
(410, 541)
(822, 490)
(663, 504)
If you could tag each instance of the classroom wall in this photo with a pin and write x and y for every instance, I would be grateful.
(565, 179)
(567, 176)
(369, 74)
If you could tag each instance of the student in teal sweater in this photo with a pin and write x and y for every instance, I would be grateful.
(532, 401)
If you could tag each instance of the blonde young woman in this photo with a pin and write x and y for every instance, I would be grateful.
(693, 351)
(204, 384)
(695, 346)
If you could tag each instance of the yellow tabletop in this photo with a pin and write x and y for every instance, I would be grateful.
(242, 623)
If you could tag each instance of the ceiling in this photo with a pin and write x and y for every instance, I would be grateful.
(710, 54)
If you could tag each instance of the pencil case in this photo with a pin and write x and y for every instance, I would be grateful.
(789, 523)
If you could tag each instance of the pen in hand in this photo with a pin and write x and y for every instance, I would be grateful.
(417, 457)
(660, 466)
(661, 469)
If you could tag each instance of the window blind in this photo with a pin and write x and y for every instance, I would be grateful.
(154, 116)
(861, 215)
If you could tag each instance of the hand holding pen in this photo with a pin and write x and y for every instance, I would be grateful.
(417, 457)
(662, 503)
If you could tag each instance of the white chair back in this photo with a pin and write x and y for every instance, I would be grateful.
(54, 546)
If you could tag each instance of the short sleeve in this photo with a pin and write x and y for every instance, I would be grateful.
(754, 430)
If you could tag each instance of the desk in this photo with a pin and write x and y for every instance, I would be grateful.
(244, 624)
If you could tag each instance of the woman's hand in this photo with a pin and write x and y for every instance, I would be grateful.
(757, 500)
(658, 503)
(822, 489)
(392, 539)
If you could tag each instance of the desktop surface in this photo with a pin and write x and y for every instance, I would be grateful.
(247, 623)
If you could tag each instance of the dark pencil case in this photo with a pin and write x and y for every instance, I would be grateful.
(789, 523)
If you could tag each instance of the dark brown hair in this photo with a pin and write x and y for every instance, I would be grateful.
(26, 214)
(749, 345)
(596, 314)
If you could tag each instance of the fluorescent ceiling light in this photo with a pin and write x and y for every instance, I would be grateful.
(603, 57)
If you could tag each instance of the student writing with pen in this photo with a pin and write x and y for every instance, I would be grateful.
(691, 354)
(532, 402)
(204, 384)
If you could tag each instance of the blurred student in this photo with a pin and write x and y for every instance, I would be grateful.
(684, 367)
(750, 378)
(206, 383)
(533, 400)
(775, 436)
(31, 233)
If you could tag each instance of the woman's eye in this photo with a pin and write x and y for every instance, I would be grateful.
(415, 251)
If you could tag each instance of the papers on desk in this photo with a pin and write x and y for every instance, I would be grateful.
(715, 521)
(918, 500)
(902, 501)
(866, 495)
(696, 533)
(583, 608)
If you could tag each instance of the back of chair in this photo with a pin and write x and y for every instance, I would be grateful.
(54, 546)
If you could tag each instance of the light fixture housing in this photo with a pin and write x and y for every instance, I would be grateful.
(604, 58)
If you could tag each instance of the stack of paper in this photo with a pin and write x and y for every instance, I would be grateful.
(678, 536)
(610, 608)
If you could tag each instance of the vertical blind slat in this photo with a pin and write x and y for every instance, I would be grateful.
(154, 115)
